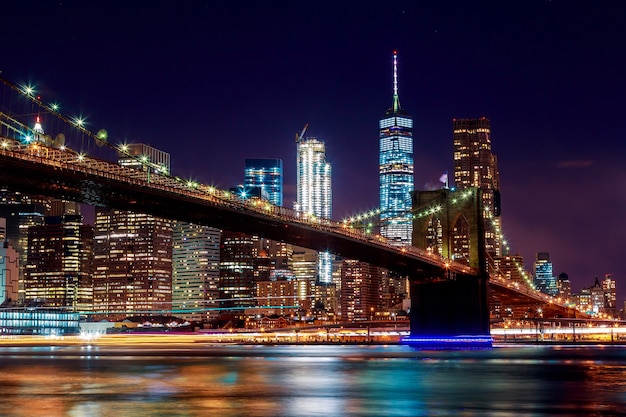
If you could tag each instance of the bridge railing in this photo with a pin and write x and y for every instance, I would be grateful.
(70, 160)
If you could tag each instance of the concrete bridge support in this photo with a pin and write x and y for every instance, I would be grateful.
(453, 313)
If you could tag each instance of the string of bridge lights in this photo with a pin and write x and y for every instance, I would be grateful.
(430, 210)
(80, 123)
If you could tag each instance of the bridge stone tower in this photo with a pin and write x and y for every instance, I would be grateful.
(450, 310)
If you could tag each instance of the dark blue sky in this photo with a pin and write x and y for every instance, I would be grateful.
(213, 83)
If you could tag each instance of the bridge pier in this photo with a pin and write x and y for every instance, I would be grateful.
(450, 314)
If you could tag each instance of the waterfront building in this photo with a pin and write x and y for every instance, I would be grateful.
(360, 291)
(288, 296)
(195, 271)
(19, 217)
(476, 166)
(38, 321)
(545, 281)
(133, 251)
(314, 192)
(266, 174)
(396, 169)
(9, 273)
(59, 265)
(239, 270)
(133, 264)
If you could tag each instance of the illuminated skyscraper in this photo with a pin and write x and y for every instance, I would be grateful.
(266, 174)
(315, 192)
(195, 271)
(360, 290)
(60, 263)
(313, 179)
(396, 169)
(476, 166)
(133, 264)
(133, 251)
(240, 268)
(545, 281)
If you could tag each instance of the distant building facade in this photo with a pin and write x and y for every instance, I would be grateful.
(266, 174)
(195, 271)
(59, 265)
(133, 264)
(314, 191)
(545, 281)
(476, 166)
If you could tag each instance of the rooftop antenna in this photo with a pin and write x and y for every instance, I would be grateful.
(396, 100)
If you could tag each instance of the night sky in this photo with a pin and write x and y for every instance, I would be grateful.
(213, 83)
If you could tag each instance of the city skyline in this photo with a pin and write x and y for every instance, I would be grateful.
(545, 73)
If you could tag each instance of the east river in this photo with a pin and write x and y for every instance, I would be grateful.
(198, 379)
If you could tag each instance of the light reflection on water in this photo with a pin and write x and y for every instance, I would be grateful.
(203, 380)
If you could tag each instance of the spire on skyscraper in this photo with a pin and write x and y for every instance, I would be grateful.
(396, 100)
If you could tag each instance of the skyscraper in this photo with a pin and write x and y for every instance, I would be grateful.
(396, 169)
(240, 269)
(360, 290)
(545, 281)
(133, 264)
(313, 179)
(315, 191)
(195, 271)
(476, 166)
(60, 264)
(133, 251)
(266, 174)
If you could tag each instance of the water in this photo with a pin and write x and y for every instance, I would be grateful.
(228, 380)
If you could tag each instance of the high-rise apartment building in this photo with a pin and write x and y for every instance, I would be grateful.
(240, 269)
(59, 265)
(314, 192)
(133, 251)
(266, 174)
(133, 264)
(396, 169)
(360, 291)
(476, 166)
(545, 281)
(195, 271)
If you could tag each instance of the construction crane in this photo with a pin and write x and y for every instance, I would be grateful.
(300, 136)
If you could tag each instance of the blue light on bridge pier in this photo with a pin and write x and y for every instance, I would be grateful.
(465, 342)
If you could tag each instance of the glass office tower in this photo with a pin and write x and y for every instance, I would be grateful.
(396, 169)
(266, 174)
